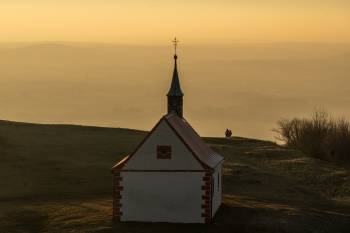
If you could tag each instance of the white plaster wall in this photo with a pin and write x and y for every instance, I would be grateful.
(146, 156)
(162, 197)
(217, 197)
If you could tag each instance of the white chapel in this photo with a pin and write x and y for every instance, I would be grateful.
(172, 176)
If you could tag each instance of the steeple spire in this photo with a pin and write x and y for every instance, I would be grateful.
(175, 93)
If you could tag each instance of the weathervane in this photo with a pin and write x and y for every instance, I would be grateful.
(175, 42)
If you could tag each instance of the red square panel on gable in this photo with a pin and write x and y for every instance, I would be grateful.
(163, 152)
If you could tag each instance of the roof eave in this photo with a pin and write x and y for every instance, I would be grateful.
(120, 164)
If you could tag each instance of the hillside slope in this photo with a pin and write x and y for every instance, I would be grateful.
(56, 178)
(44, 161)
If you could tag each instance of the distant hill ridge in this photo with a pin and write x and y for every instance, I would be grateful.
(8, 122)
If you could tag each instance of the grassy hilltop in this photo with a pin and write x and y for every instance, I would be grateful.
(56, 178)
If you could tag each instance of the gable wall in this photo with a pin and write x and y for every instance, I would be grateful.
(145, 157)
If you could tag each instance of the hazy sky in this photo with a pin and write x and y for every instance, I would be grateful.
(227, 81)
(194, 21)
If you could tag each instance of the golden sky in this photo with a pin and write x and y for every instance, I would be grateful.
(195, 21)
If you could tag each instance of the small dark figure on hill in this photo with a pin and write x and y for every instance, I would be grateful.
(228, 133)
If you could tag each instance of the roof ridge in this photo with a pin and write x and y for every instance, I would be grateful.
(200, 143)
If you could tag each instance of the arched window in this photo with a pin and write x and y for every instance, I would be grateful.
(212, 187)
(219, 180)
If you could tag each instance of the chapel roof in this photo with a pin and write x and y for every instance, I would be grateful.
(193, 141)
(208, 158)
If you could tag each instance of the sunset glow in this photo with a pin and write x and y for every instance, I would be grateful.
(154, 22)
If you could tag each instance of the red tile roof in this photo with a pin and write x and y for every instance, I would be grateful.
(193, 141)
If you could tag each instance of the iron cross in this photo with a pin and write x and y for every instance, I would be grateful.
(175, 42)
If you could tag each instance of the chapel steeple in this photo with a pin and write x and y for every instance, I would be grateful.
(175, 94)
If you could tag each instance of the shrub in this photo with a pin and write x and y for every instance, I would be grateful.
(320, 136)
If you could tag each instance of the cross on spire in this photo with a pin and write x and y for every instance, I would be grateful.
(175, 42)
